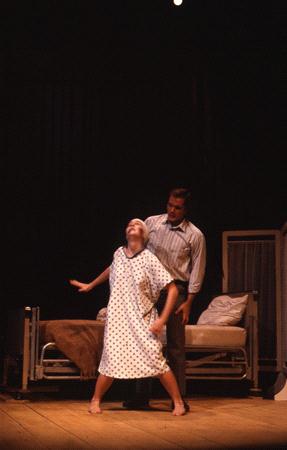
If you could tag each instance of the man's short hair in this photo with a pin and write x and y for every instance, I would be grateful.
(182, 193)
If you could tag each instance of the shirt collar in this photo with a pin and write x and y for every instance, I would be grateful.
(180, 227)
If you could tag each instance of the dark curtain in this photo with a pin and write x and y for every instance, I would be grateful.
(252, 267)
(105, 107)
(83, 157)
(284, 294)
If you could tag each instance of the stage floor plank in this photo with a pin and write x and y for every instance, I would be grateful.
(213, 423)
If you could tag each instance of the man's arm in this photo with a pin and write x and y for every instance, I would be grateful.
(195, 279)
(185, 307)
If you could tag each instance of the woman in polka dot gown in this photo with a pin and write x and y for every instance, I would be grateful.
(132, 346)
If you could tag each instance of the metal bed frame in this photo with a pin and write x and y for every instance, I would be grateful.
(43, 363)
(228, 362)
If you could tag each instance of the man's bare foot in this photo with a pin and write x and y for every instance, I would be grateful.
(94, 407)
(179, 409)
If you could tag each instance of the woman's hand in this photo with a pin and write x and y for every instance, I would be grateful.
(157, 326)
(82, 287)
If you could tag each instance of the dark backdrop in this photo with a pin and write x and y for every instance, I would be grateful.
(106, 106)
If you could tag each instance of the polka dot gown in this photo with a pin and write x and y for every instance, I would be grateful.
(130, 349)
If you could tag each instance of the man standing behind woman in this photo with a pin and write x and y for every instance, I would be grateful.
(180, 246)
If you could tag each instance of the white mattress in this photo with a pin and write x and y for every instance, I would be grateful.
(213, 336)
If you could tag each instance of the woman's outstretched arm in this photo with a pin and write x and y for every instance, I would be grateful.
(86, 287)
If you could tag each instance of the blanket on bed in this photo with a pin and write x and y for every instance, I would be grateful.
(80, 340)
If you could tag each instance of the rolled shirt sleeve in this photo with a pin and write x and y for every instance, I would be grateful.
(198, 263)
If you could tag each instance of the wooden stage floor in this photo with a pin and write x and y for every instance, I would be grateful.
(47, 422)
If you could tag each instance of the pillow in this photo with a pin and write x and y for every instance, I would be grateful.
(224, 310)
(102, 315)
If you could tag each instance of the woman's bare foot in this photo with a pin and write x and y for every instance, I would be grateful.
(179, 409)
(94, 407)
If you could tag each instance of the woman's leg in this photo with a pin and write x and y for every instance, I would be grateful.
(102, 385)
(169, 382)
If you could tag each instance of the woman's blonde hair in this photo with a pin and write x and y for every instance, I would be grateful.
(144, 228)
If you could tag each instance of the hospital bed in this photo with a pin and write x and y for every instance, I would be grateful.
(40, 351)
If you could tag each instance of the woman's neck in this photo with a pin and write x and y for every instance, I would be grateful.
(134, 246)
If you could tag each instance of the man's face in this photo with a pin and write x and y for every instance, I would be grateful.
(175, 210)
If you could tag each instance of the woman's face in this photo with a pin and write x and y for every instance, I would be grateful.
(134, 229)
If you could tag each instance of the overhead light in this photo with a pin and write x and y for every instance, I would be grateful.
(177, 2)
